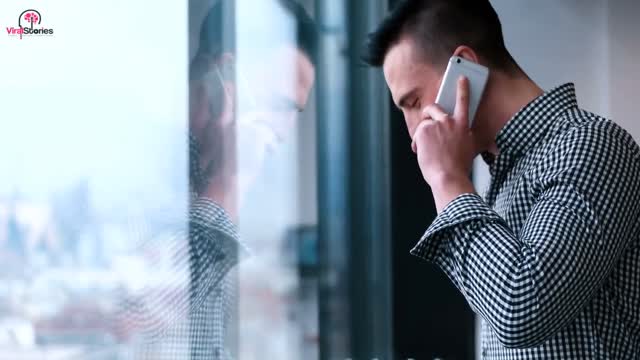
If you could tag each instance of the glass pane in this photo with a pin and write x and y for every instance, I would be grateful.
(253, 123)
(181, 189)
(92, 158)
(276, 148)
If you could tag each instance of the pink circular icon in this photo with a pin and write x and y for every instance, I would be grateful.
(31, 17)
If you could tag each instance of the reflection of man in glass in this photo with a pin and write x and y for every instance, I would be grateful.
(230, 139)
(243, 101)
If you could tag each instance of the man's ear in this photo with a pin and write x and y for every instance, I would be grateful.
(199, 108)
(467, 53)
(225, 68)
(227, 115)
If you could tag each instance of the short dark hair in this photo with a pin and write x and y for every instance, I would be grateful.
(211, 42)
(439, 27)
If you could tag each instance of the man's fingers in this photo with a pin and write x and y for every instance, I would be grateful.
(435, 112)
(416, 133)
(461, 112)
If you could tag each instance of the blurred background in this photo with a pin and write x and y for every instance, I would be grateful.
(94, 155)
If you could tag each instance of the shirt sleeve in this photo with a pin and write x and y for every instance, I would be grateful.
(529, 285)
(214, 249)
(202, 252)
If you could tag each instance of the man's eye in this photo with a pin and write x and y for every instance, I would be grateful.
(416, 103)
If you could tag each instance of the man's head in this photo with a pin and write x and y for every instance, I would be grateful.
(415, 41)
(248, 92)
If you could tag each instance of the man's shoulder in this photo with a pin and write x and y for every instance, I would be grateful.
(209, 221)
(582, 131)
(207, 215)
(582, 140)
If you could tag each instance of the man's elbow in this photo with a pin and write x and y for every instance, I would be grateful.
(519, 341)
(530, 332)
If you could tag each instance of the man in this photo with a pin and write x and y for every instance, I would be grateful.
(186, 315)
(550, 258)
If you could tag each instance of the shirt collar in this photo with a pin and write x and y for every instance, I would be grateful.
(531, 124)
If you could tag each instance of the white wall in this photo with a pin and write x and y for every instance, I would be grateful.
(557, 42)
(624, 52)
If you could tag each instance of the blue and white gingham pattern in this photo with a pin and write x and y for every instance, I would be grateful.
(550, 258)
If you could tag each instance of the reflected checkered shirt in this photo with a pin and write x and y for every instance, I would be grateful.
(550, 259)
(187, 315)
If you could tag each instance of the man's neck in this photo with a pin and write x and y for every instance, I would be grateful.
(508, 96)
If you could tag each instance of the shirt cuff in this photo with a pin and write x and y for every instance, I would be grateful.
(463, 209)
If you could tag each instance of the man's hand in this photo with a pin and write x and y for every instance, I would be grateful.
(446, 148)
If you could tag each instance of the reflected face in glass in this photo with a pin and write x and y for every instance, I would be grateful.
(242, 107)
(412, 80)
(272, 91)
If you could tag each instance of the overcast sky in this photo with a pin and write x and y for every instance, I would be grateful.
(103, 98)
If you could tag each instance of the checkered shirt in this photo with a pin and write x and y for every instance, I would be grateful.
(550, 258)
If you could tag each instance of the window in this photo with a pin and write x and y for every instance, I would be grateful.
(179, 180)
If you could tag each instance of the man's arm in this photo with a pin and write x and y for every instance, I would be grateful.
(529, 285)
(201, 255)
(214, 248)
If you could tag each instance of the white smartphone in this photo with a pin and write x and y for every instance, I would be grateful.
(477, 75)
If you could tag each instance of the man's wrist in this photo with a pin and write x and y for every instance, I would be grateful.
(447, 187)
